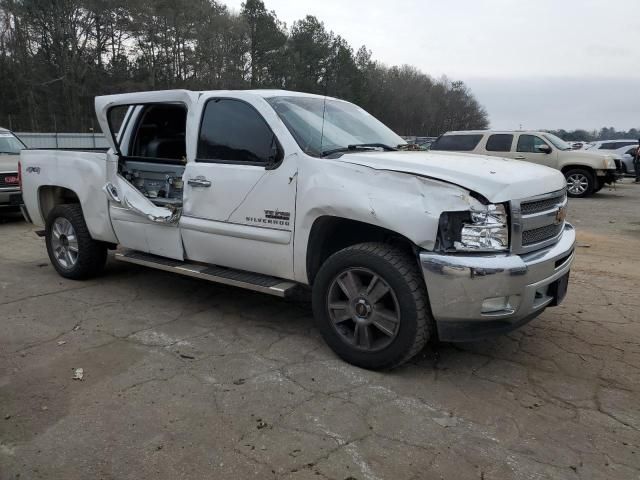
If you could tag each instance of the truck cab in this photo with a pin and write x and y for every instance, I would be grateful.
(277, 191)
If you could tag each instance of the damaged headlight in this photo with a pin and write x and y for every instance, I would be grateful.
(483, 229)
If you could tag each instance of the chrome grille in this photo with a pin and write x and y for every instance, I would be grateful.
(537, 206)
(541, 234)
(3, 181)
(535, 221)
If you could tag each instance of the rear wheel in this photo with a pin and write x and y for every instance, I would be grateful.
(370, 304)
(72, 251)
(580, 182)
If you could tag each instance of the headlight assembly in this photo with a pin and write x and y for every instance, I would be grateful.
(484, 229)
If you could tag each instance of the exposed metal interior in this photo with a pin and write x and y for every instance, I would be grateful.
(161, 183)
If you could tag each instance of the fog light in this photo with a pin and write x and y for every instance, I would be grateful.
(496, 304)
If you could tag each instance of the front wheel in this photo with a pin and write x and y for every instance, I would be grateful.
(370, 304)
(72, 251)
(580, 182)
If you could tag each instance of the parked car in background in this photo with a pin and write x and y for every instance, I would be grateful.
(10, 146)
(269, 190)
(610, 144)
(421, 143)
(585, 172)
(624, 156)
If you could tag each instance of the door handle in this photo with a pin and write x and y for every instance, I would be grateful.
(520, 157)
(199, 181)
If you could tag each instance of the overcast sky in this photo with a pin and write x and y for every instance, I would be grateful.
(540, 64)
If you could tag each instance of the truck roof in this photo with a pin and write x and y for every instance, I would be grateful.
(482, 132)
(265, 93)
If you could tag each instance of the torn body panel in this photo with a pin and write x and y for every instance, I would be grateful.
(129, 198)
(409, 205)
(141, 225)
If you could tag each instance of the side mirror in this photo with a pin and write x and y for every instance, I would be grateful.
(543, 148)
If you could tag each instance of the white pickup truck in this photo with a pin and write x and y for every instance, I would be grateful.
(273, 190)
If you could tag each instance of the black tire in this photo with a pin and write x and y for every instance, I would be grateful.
(598, 186)
(399, 270)
(91, 254)
(582, 174)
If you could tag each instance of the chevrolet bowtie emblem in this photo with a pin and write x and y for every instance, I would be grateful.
(561, 214)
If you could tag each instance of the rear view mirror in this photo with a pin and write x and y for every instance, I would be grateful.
(543, 148)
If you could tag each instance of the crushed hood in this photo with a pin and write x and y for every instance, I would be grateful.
(497, 179)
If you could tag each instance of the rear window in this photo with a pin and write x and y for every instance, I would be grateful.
(456, 143)
(500, 142)
(615, 145)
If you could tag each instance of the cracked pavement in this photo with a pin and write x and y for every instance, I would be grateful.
(185, 379)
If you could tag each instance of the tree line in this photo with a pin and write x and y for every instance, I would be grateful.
(605, 133)
(56, 55)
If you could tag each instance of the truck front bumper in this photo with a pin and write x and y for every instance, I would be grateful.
(10, 197)
(477, 296)
(608, 176)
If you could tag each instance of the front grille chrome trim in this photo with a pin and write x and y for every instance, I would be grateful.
(532, 217)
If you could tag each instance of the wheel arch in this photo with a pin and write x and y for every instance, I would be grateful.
(330, 234)
(50, 196)
(574, 166)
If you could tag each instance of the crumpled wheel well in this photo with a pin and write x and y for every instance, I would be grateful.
(330, 234)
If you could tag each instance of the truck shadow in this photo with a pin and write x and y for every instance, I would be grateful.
(10, 217)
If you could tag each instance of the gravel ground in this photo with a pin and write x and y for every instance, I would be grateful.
(189, 380)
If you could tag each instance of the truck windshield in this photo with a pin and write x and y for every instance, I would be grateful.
(10, 145)
(557, 142)
(320, 125)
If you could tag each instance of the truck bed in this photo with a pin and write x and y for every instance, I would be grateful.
(81, 173)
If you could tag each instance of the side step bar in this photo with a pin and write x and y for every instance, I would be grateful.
(227, 276)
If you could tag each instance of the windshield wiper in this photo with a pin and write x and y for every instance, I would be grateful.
(10, 153)
(359, 146)
(407, 146)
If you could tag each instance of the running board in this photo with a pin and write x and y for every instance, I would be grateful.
(227, 276)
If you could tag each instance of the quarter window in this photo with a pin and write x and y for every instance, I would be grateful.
(233, 131)
(499, 142)
(456, 143)
(530, 144)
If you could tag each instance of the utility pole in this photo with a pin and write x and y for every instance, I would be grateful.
(55, 128)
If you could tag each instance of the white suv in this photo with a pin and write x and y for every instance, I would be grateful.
(586, 172)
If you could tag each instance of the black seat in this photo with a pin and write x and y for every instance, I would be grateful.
(172, 148)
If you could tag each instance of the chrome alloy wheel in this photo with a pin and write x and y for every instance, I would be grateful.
(577, 183)
(363, 309)
(64, 243)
